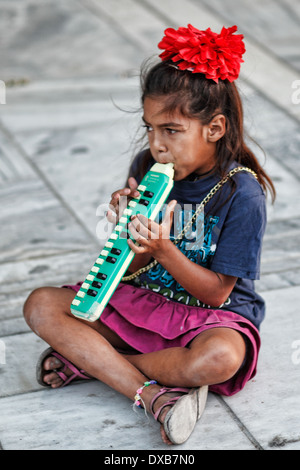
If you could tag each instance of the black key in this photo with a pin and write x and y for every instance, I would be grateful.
(115, 251)
(144, 202)
(148, 194)
(110, 259)
(96, 284)
(101, 276)
(92, 292)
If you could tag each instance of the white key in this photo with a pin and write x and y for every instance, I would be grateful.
(114, 236)
(95, 269)
(89, 277)
(127, 211)
(104, 253)
(141, 187)
(80, 294)
(76, 302)
(109, 244)
(132, 203)
(99, 261)
(85, 285)
(123, 220)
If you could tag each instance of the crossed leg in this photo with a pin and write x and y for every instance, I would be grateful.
(213, 357)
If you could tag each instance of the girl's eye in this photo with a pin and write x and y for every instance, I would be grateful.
(167, 129)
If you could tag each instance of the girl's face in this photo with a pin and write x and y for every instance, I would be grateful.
(174, 138)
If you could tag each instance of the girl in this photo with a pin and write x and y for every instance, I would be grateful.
(188, 320)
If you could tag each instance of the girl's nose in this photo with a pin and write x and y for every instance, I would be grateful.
(158, 144)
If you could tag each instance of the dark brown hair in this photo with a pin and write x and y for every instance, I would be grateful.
(197, 97)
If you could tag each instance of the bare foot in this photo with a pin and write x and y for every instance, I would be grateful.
(164, 437)
(53, 364)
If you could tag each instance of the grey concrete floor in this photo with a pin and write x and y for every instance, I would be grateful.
(66, 132)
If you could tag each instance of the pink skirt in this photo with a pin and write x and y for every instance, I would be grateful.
(149, 322)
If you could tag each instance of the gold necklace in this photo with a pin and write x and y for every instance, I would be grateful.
(207, 198)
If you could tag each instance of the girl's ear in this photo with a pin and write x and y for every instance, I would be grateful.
(216, 128)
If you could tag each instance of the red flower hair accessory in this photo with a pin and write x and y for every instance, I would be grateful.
(214, 55)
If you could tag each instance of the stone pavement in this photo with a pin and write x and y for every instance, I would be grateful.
(71, 75)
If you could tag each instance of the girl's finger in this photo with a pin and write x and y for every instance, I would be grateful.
(138, 249)
(133, 184)
(111, 216)
(138, 230)
(120, 192)
(145, 227)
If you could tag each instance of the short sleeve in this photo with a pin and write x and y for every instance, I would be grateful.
(239, 244)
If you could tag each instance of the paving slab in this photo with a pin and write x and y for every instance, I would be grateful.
(93, 417)
(52, 39)
(20, 278)
(65, 145)
(280, 37)
(270, 407)
(66, 140)
(89, 415)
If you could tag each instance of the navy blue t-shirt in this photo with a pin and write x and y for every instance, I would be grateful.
(226, 238)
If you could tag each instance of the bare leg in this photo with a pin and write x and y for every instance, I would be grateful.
(213, 357)
(47, 311)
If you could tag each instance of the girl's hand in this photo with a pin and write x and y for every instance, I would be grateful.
(119, 200)
(152, 237)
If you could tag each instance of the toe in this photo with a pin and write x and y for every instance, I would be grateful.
(164, 436)
(52, 363)
(53, 379)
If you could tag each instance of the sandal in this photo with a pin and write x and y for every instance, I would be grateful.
(186, 410)
(40, 372)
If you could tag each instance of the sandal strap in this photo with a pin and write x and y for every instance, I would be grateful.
(171, 402)
(68, 365)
